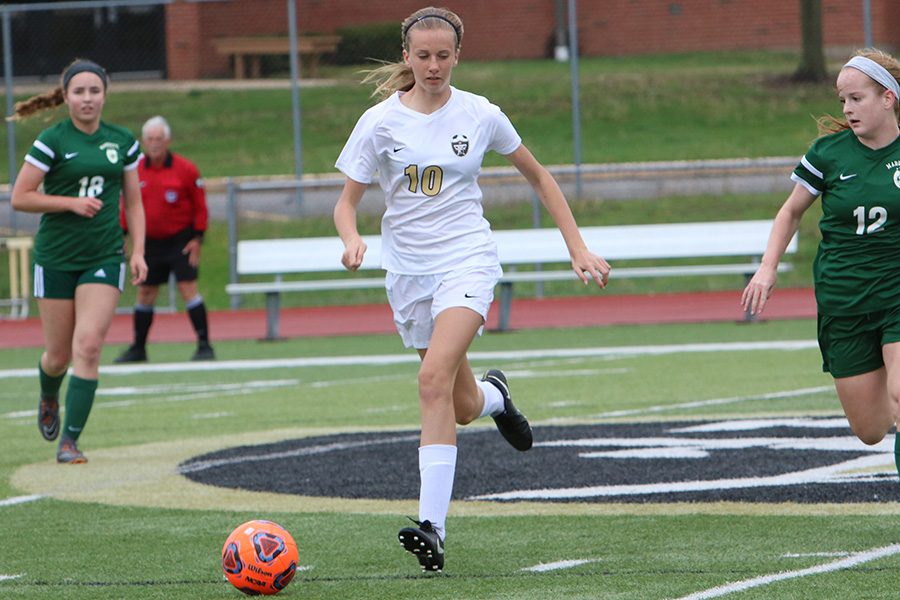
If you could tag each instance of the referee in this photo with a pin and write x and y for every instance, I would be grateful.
(176, 214)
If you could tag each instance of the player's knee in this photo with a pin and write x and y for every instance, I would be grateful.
(86, 348)
(56, 361)
(433, 387)
(465, 418)
(868, 434)
(146, 294)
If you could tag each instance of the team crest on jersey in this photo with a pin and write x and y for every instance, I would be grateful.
(460, 145)
(112, 151)
(897, 178)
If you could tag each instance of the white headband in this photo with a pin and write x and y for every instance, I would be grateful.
(876, 72)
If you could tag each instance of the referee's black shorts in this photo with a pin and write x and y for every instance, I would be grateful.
(165, 255)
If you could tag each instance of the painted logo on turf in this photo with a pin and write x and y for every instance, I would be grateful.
(741, 460)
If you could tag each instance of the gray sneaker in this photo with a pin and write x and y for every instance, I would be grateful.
(425, 543)
(69, 453)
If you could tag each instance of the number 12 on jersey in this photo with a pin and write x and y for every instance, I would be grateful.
(877, 219)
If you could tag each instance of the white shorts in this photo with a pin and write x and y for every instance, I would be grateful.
(417, 300)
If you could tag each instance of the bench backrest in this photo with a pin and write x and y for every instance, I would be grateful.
(528, 246)
(275, 44)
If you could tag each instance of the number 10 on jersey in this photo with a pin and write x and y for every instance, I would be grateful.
(432, 178)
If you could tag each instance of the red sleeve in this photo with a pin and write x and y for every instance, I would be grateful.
(122, 219)
(198, 198)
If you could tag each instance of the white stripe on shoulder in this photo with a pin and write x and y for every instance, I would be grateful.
(805, 184)
(44, 148)
(134, 148)
(32, 160)
(811, 168)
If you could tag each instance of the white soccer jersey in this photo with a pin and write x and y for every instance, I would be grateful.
(428, 167)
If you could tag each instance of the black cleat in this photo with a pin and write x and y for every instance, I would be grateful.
(133, 354)
(48, 417)
(425, 543)
(513, 425)
(204, 352)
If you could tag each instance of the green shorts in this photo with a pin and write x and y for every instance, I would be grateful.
(851, 345)
(60, 285)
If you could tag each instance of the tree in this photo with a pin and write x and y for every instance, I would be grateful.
(812, 63)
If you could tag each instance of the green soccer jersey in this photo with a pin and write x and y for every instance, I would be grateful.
(857, 266)
(76, 164)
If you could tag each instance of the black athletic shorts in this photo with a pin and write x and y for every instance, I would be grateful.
(165, 256)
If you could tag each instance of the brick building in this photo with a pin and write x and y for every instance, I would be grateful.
(509, 29)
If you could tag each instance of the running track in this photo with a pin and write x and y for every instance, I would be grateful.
(527, 313)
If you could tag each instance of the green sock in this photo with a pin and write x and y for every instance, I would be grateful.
(79, 399)
(897, 450)
(50, 383)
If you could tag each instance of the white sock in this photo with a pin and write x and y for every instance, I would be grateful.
(493, 399)
(437, 466)
(195, 301)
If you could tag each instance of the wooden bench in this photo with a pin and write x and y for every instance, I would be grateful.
(517, 248)
(19, 249)
(250, 49)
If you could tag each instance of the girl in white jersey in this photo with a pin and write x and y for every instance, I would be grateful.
(855, 167)
(426, 141)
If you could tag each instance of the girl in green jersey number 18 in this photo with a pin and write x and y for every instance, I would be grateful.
(85, 166)
(855, 167)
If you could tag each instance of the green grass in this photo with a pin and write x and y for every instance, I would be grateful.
(671, 107)
(134, 539)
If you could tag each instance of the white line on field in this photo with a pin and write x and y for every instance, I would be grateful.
(390, 359)
(19, 500)
(186, 388)
(532, 374)
(8, 577)
(194, 392)
(833, 473)
(846, 563)
(214, 415)
(409, 377)
(815, 554)
(714, 402)
(560, 564)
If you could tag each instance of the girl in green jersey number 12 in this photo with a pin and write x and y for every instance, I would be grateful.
(85, 166)
(855, 167)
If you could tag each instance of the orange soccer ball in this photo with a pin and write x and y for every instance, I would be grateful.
(259, 557)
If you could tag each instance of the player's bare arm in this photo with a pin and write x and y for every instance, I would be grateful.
(587, 265)
(345, 223)
(785, 225)
(27, 197)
